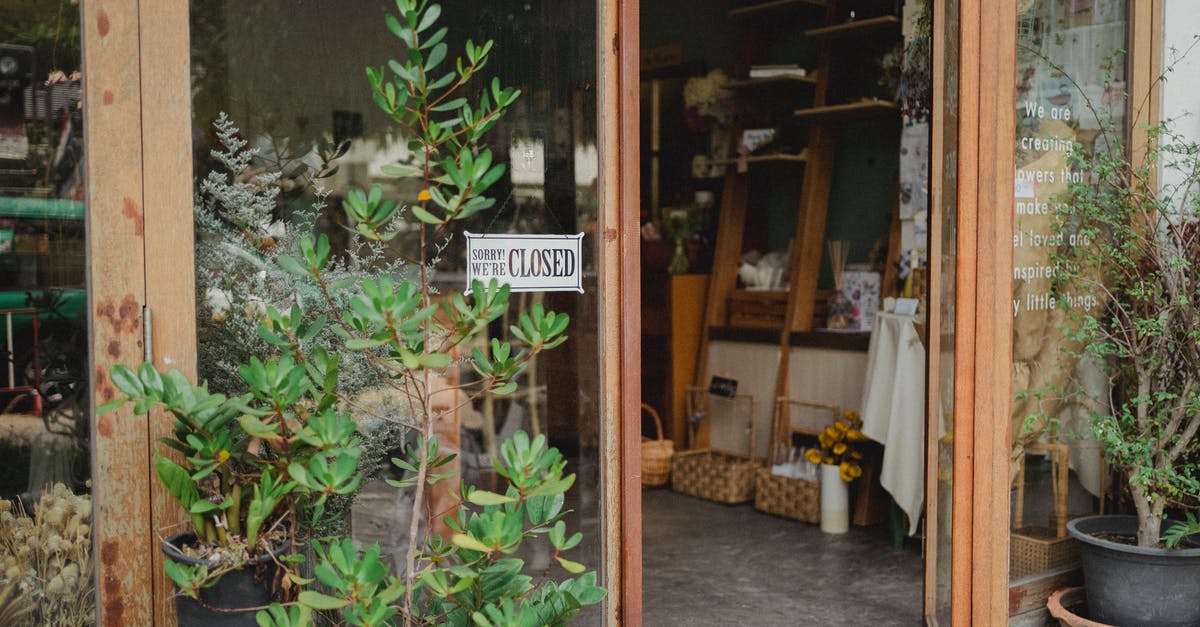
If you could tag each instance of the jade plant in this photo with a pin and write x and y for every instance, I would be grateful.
(1135, 215)
(254, 471)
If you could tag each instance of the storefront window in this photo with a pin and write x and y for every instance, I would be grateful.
(286, 80)
(45, 507)
(1070, 78)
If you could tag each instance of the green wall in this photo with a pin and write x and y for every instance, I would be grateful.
(867, 154)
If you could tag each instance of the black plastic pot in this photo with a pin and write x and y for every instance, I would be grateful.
(247, 587)
(1132, 586)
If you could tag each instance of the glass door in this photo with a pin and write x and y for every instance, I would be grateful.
(45, 431)
(939, 428)
(289, 131)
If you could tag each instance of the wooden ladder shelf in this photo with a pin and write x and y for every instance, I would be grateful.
(794, 310)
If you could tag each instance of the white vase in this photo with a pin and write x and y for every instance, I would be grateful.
(835, 501)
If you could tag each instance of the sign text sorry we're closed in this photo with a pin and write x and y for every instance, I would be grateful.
(528, 263)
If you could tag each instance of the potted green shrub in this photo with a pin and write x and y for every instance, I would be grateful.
(1135, 219)
(256, 471)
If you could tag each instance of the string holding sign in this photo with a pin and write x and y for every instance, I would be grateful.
(527, 262)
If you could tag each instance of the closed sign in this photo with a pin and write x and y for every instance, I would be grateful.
(528, 263)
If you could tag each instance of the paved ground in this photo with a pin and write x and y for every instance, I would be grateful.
(710, 564)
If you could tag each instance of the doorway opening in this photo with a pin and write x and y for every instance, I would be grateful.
(785, 203)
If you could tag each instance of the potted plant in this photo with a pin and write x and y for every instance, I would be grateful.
(255, 472)
(1134, 222)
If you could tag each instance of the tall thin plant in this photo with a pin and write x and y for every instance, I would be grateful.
(1134, 215)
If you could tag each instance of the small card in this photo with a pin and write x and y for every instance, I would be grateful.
(906, 306)
(720, 386)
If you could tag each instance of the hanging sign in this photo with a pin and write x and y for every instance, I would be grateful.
(723, 386)
(528, 263)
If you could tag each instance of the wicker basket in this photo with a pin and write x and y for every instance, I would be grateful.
(783, 496)
(1040, 549)
(1037, 550)
(656, 454)
(713, 475)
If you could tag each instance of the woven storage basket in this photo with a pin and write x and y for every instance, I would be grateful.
(713, 475)
(783, 496)
(656, 454)
(1039, 549)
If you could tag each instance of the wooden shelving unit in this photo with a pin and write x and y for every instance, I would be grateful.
(793, 312)
(773, 81)
(773, 5)
(800, 157)
(855, 28)
(849, 110)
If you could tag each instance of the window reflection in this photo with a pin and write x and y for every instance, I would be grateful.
(1068, 55)
(45, 510)
(289, 76)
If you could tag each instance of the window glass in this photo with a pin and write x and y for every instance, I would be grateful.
(944, 251)
(45, 507)
(1070, 73)
(286, 77)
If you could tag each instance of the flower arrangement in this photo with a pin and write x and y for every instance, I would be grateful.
(837, 446)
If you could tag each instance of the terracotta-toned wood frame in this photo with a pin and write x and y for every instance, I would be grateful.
(137, 126)
(983, 324)
(139, 172)
(138, 131)
(620, 197)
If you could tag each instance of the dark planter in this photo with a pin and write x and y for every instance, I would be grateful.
(1133, 586)
(247, 587)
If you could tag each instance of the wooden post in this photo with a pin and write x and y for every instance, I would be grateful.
(116, 293)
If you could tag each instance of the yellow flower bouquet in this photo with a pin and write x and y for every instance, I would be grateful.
(837, 446)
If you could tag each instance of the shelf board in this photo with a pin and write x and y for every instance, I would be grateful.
(771, 5)
(769, 81)
(858, 27)
(861, 109)
(782, 157)
(817, 338)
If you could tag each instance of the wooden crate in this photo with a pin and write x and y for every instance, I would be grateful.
(766, 309)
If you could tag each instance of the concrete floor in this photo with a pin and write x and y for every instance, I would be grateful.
(711, 564)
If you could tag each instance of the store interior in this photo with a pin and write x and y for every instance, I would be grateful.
(786, 190)
(784, 178)
(786, 323)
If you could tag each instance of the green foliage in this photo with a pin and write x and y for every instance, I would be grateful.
(476, 578)
(260, 465)
(1180, 530)
(1135, 222)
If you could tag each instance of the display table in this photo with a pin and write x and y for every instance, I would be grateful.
(893, 410)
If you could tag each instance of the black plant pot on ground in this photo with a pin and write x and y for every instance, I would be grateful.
(247, 587)
(1132, 586)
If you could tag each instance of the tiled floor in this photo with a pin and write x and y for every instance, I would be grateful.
(710, 564)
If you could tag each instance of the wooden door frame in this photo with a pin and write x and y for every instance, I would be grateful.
(137, 126)
(620, 199)
(983, 322)
(139, 169)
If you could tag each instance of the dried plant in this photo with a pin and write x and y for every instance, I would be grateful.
(47, 561)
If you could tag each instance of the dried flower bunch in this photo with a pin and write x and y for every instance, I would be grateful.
(708, 99)
(47, 561)
(837, 446)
